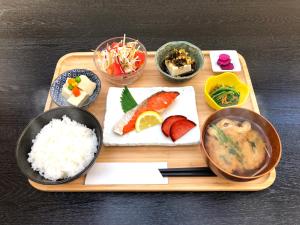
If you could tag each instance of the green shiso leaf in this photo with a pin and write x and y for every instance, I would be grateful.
(127, 101)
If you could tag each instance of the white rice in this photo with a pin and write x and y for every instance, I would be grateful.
(62, 149)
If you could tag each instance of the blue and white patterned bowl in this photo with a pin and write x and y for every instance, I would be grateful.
(58, 83)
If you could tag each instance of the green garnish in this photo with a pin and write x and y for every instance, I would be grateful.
(234, 151)
(253, 145)
(77, 79)
(127, 101)
(225, 95)
(224, 159)
(221, 135)
(226, 140)
(70, 87)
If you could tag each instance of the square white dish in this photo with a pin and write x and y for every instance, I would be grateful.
(214, 56)
(184, 104)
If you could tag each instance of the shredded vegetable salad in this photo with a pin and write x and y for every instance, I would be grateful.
(121, 58)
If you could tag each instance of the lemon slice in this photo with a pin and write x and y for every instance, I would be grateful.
(147, 119)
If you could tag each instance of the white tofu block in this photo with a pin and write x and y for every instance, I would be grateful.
(86, 85)
(176, 71)
(65, 92)
(78, 101)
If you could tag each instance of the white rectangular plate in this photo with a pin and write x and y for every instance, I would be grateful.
(184, 104)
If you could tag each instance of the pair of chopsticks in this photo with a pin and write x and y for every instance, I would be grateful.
(187, 172)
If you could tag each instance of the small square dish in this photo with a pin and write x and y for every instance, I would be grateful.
(234, 57)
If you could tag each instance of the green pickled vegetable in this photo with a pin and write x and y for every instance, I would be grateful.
(225, 95)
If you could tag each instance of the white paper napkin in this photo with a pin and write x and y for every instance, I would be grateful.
(126, 173)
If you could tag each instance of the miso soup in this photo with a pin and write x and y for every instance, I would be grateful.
(237, 146)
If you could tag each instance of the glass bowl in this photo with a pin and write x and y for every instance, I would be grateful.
(124, 79)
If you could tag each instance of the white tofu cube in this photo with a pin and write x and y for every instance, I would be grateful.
(86, 85)
(65, 92)
(78, 101)
(176, 71)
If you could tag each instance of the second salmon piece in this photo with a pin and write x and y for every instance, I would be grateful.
(157, 102)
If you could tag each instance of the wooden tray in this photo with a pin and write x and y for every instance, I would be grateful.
(187, 156)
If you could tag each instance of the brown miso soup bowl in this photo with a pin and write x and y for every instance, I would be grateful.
(265, 128)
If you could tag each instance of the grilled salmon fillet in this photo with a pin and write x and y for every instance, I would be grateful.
(157, 102)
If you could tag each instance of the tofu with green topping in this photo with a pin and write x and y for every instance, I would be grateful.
(178, 62)
(176, 70)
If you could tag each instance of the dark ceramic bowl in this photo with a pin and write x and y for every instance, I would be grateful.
(58, 83)
(33, 128)
(265, 127)
(165, 50)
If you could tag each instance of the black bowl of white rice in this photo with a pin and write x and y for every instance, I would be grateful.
(59, 145)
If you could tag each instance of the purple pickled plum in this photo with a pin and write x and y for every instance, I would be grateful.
(223, 63)
(224, 57)
(228, 67)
